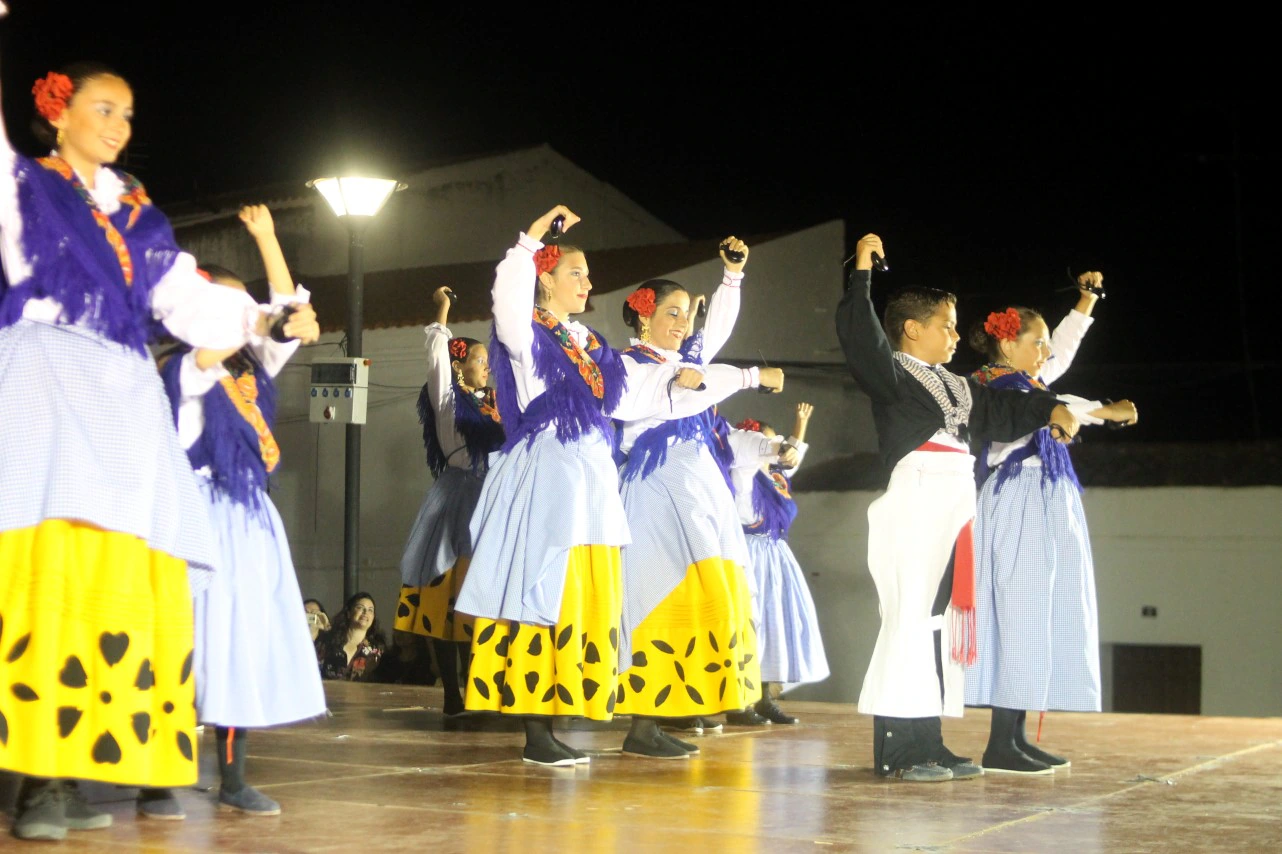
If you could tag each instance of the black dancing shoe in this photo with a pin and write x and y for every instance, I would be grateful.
(453, 705)
(656, 748)
(684, 745)
(769, 709)
(1014, 761)
(927, 772)
(1042, 756)
(41, 812)
(549, 754)
(747, 717)
(691, 726)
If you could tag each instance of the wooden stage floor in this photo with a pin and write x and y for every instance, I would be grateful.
(387, 773)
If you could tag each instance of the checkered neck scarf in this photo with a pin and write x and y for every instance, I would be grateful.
(934, 380)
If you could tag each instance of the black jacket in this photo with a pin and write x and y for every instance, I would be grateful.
(905, 413)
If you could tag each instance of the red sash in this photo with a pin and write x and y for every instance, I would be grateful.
(965, 646)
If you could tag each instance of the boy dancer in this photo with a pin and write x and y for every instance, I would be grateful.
(925, 417)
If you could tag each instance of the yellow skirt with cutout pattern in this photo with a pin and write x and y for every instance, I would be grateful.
(695, 654)
(567, 669)
(429, 610)
(95, 658)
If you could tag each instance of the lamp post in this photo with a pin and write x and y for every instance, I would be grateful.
(355, 201)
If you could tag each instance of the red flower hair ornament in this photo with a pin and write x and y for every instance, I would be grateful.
(749, 424)
(52, 92)
(458, 348)
(546, 259)
(642, 302)
(1004, 326)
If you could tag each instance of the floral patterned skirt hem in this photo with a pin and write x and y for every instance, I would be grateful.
(95, 657)
(696, 654)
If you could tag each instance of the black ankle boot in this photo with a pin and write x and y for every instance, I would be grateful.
(1021, 741)
(1002, 755)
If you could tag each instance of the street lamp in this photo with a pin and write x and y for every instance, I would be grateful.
(355, 200)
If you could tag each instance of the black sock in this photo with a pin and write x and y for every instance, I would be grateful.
(231, 748)
(447, 658)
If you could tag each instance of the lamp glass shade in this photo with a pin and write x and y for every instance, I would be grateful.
(351, 196)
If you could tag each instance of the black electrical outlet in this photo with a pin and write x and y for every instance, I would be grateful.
(1148, 611)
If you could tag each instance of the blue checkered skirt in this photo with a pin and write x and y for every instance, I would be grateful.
(790, 647)
(440, 535)
(255, 664)
(540, 499)
(88, 434)
(1036, 613)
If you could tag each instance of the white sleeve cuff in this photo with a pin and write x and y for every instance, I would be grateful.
(529, 243)
(751, 377)
(731, 279)
(300, 296)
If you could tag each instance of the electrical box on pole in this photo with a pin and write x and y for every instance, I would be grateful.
(340, 391)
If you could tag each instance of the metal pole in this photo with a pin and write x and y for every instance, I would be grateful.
(352, 451)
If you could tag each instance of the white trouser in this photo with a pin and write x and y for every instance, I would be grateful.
(913, 528)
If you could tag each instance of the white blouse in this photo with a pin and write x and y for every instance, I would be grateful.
(652, 398)
(191, 308)
(1065, 342)
(753, 451)
(193, 383)
(440, 393)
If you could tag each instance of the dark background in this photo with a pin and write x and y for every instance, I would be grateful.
(991, 151)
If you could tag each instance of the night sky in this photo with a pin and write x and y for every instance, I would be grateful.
(991, 153)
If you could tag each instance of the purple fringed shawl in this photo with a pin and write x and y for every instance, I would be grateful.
(1056, 462)
(773, 503)
(73, 263)
(228, 444)
(481, 433)
(568, 403)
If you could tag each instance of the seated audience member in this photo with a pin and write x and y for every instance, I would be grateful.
(351, 649)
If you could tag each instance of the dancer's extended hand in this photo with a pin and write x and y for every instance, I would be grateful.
(736, 245)
(1064, 424)
(771, 378)
(543, 224)
(867, 245)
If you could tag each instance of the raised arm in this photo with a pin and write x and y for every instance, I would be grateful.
(868, 353)
(723, 309)
(1068, 335)
(514, 283)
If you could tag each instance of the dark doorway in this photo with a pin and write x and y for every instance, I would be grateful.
(1157, 679)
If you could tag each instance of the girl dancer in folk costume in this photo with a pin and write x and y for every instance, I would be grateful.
(1035, 581)
(791, 649)
(544, 583)
(461, 429)
(924, 416)
(101, 522)
(688, 646)
(254, 654)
